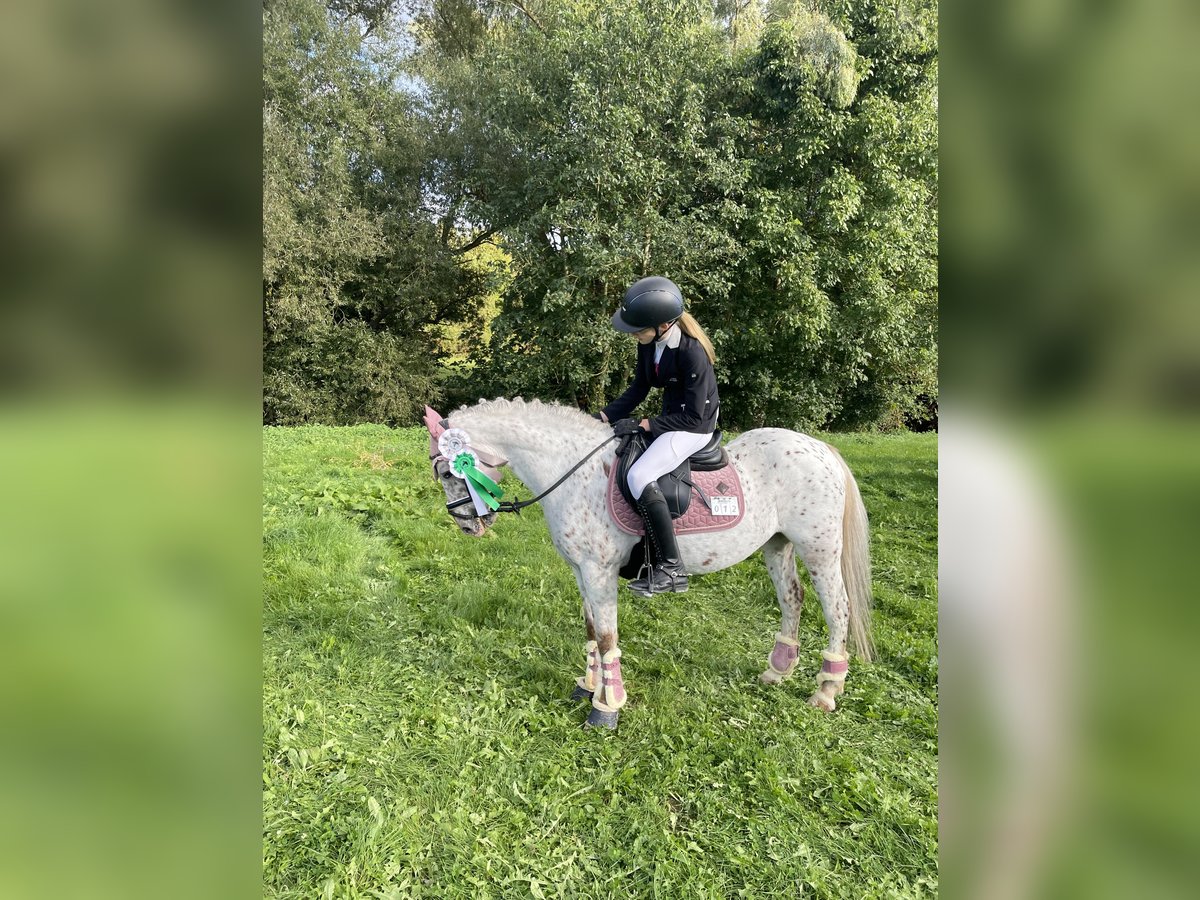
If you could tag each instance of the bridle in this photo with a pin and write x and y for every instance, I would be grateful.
(453, 504)
(515, 506)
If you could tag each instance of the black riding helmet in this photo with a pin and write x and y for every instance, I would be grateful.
(650, 302)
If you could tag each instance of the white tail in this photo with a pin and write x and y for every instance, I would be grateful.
(856, 565)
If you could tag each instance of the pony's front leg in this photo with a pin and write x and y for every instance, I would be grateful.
(599, 588)
(610, 697)
(587, 684)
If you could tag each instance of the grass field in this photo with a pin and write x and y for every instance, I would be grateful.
(418, 740)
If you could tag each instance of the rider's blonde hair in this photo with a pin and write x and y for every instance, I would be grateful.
(693, 330)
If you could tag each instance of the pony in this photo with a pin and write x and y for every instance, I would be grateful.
(801, 500)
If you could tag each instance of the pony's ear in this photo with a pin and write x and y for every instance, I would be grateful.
(434, 422)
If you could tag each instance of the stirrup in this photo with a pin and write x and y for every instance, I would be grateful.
(641, 584)
(643, 579)
(659, 581)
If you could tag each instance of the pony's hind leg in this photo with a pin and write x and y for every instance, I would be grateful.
(826, 574)
(781, 564)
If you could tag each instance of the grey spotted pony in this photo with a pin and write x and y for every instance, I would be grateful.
(800, 500)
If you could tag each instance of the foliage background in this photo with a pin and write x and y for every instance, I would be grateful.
(457, 193)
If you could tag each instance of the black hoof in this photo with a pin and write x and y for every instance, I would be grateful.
(598, 718)
(581, 693)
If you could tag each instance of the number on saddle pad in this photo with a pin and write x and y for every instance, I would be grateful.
(724, 506)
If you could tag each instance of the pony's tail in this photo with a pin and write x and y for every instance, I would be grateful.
(856, 565)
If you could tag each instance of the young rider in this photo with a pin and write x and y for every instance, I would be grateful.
(676, 355)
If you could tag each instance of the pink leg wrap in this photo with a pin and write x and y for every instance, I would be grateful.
(833, 668)
(591, 678)
(611, 696)
(783, 657)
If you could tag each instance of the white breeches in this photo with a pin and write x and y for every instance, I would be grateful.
(667, 451)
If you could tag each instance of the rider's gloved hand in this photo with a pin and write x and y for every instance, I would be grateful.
(626, 426)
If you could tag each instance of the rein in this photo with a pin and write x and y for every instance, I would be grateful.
(515, 506)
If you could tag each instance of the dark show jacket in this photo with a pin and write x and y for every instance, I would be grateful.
(689, 386)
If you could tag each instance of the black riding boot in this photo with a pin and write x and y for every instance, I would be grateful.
(667, 574)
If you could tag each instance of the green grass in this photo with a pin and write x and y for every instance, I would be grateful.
(418, 740)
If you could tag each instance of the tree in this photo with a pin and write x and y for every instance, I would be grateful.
(787, 183)
(458, 192)
(357, 263)
(601, 157)
(842, 231)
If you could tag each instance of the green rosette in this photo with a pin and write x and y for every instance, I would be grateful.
(464, 465)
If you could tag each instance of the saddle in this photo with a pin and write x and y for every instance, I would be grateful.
(677, 486)
(707, 474)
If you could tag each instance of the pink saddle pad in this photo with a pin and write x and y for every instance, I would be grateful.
(723, 488)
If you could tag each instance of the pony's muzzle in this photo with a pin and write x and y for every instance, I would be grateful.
(477, 527)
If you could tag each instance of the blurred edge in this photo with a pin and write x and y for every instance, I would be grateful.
(130, 165)
(129, 650)
(130, 446)
(1070, 449)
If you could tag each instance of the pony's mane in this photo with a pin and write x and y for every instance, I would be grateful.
(551, 413)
